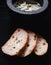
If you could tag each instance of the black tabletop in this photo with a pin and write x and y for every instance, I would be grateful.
(39, 23)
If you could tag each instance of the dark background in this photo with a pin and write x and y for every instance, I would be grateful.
(39, 23)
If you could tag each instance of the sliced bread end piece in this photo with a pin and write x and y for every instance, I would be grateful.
(16, 42)
(41, 47)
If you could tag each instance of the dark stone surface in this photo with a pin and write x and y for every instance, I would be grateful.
(10, 21)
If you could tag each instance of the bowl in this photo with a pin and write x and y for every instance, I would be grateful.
(43, 3)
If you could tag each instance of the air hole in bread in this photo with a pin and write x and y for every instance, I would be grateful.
(13, 47)
(18, 41)
(27, 45)
(15, 39)
(43, 43)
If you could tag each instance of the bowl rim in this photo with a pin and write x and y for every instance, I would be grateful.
(11, 6)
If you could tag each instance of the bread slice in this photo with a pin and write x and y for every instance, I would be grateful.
(41, 47)
(31, 44)
(16, 42)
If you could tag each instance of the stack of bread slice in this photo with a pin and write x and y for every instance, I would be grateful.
(22, 43)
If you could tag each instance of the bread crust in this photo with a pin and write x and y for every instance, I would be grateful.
(12, 36)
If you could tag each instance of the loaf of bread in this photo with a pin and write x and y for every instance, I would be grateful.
(16, 42)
